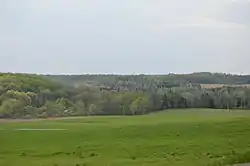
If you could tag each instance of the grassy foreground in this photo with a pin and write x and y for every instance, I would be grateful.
(176, 138)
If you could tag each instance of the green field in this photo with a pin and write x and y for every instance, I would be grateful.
(176, 138)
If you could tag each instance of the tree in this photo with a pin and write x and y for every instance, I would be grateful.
(80, 108)
(20, 96)
(25, 95)
(139, 105)
(164, 102)
(11, 108)
(54, 109)
(92, 109)
(32, 97)
(30, 112)
(87, 94)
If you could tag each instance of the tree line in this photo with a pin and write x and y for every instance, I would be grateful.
(35, 96)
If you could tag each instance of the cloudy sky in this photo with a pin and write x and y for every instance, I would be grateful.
(124, 36)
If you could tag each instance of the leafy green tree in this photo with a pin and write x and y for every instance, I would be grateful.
(92, 109)
(54, 109)
(139, 105)
(30, 112)
(20, 96)
(11, 108)
(27, 96)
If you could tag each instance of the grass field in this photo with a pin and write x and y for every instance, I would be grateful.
(175, 138)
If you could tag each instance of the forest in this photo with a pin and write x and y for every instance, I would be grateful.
(43, 96)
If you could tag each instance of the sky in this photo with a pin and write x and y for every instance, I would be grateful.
(124, 36)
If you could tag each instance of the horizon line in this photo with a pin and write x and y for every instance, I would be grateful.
(126, 74)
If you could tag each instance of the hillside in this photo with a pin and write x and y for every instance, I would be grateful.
(190, 137)
(161, 80)
(38, 96)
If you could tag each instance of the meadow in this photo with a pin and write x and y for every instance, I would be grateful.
(191, 137)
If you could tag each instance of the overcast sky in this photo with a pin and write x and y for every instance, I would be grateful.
(124, 36)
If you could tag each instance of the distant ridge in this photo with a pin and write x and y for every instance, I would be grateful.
(194, 78)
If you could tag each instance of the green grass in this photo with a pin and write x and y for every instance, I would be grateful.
(176, 138)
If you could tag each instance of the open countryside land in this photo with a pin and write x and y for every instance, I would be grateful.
(95, 120)
(176, 137)
(117, 83)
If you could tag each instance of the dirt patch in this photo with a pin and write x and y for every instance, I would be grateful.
(19, 120)
(27, 129)
(34, 120)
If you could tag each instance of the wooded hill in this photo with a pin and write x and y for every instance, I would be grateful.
(161, 80)
(32, 96)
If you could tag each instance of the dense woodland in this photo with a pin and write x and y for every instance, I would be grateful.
(42, 96)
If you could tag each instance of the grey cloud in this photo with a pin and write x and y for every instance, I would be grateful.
(142, 36)
(237, 11)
